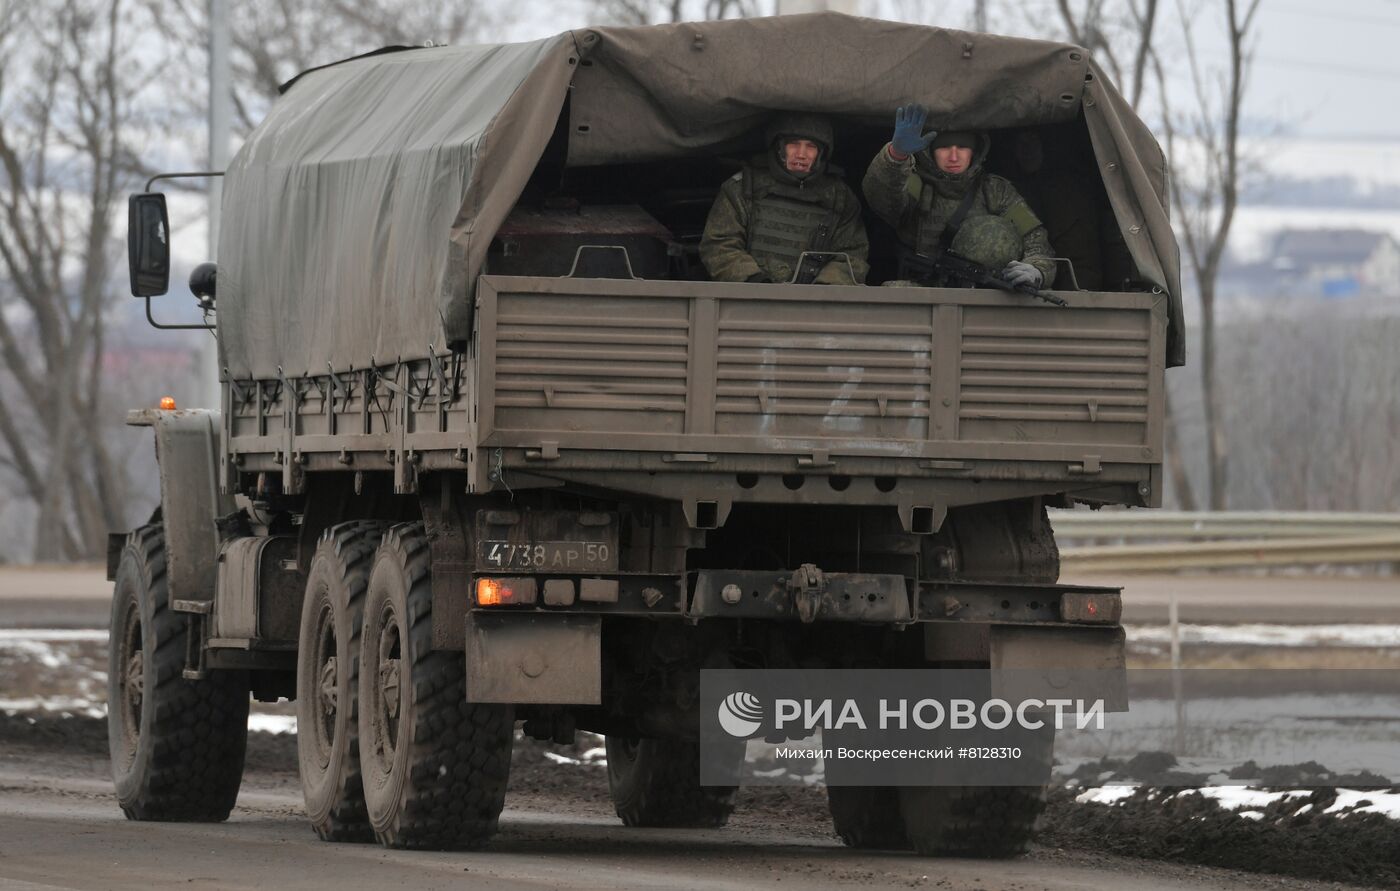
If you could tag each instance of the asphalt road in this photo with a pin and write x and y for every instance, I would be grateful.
(79, 598)
(66, 832)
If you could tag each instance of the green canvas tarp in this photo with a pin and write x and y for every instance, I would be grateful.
(357, 215)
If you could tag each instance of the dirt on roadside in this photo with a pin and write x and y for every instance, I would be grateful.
(1293, 837)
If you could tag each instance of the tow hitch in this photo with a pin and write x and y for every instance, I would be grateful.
(807, 586)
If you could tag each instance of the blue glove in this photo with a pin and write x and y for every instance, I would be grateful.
(909, 136)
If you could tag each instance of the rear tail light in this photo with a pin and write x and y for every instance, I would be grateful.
(505, 592)
(1094, 607)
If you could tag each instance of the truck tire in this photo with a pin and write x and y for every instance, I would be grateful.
(328, 657)
(867, 817)
(435, 766)
(992, 822)
(656, 782)
(176, 746)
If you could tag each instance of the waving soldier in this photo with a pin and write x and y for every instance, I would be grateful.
(926, 185)
(783, 204)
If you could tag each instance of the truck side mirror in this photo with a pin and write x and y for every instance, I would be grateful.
(148, 244)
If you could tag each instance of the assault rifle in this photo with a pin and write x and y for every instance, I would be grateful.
(950, 268)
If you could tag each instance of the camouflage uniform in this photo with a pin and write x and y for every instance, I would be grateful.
(917, 199)
(765, 216)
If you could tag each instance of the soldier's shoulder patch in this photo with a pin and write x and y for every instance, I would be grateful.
(914, 185)
(1023, 217)
(736, 177)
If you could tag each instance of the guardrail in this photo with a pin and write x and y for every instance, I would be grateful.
(1249, 539)
(1125, 524)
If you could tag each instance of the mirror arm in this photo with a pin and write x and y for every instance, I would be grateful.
(160, 176)
(155, 324)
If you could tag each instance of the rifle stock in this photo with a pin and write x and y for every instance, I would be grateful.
(811, 264)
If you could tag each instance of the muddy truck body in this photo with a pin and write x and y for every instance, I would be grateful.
(492, 451)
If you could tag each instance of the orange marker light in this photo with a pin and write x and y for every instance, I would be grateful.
(167, 403)
(506, 592)
(489, 592)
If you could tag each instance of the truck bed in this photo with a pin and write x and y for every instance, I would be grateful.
(751, 390)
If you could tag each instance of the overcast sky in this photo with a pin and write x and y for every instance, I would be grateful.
(1330, 69)
(1324, 69)
(1321, 69)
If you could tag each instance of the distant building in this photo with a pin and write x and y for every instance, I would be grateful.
(1336, 262)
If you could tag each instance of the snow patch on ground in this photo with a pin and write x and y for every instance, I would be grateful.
(38, 651)
(1350, 801)
(54, 705)
(51, 635)
(258, 723)
(1233, 798)
(1250, 804)
(1109, 795)
(1271, 635)
(595, 757)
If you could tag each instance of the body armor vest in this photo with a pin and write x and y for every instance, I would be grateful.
(784, 221)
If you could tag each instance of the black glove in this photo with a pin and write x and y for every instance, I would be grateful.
(759, 278)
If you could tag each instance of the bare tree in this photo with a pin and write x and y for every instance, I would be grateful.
(1310, 398)
(638, 12)
(1206, 196)
(273, 40)
(652, 12)
(66, 84)
(1105, 28)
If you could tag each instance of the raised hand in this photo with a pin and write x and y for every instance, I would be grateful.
(909, 136)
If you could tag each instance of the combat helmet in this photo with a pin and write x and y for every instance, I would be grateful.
(799, 125)
(989, 241)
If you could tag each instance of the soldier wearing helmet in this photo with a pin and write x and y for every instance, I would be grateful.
(928, 186)
(782, 204)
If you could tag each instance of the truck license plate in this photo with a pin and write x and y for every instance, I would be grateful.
(547, 556)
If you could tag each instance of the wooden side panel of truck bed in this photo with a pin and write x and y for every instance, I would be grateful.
(711, 368)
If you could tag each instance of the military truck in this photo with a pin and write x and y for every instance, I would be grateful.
(492, 451)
